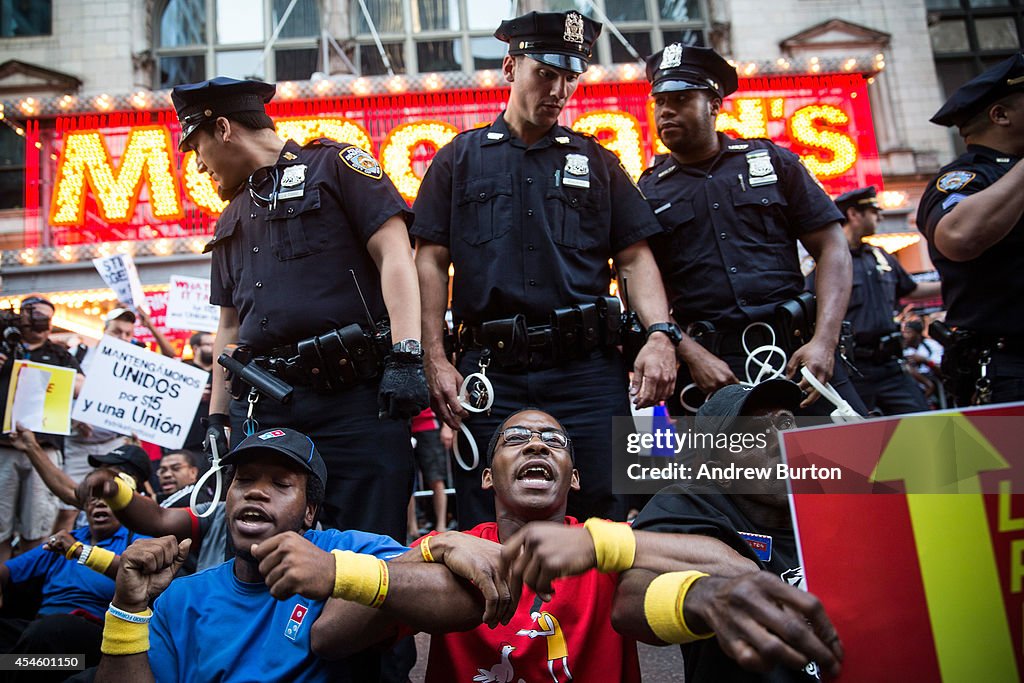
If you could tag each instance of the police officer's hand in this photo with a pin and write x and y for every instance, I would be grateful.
(654, 372)
(444, 382)
(818, 357)
(403, 388)
(709, 372)
(290, 564)
(216, 431)
(147, 567)
(761, 621)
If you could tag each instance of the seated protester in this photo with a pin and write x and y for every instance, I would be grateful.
(77, 571)
(565, 632)
(762, 621)
(242, 620)
(177, 474)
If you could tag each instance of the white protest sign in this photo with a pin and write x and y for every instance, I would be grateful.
(119, 272)
(188, 305)
(30, 398)
(130, 390)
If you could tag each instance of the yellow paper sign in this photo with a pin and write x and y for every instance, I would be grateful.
(55, 414)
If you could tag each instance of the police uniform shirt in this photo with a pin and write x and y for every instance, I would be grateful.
(728, 251)
(286, 268)
(985, 294)
(879, 282)
(528, 229)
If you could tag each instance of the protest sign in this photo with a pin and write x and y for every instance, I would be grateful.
(40, 397)
(921, 570)
(188, 305)
(119, 272)
(134, 391)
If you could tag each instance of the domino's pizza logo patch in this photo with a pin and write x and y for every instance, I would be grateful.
(271, 435)
(291, 631)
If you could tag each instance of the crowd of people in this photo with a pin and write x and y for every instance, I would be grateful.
(308, 567)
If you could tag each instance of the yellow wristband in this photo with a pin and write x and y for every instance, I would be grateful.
(123, 496)
(99, 559)
(385, 583)
(358, 578)
(124, 637)
(663, 607)
(71, 551)
(614, 544)
(425, 550)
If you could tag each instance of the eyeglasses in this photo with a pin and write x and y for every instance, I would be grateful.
(779, 423)
(521, 435)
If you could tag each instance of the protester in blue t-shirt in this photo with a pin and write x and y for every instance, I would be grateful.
(74, 596)
(242, 619)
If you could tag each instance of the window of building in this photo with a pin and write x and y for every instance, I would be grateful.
(12, 169)
(968, 36)
(25, 18)
(199, 39)
(423, 36)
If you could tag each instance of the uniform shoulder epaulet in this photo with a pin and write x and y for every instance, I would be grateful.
(582, 134)
(323, 142)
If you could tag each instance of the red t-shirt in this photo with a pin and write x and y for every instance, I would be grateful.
(573, 633)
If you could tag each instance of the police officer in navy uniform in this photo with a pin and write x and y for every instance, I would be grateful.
(529, 212)
(879, 282)
(973, 218)
(304, 225)
(732, 212)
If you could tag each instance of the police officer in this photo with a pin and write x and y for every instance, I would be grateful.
(972, 218)
(879, 282)
(309, 233)
(733, 211)
(529, 213)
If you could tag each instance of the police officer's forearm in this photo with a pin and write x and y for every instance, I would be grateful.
(982, 219)
(227, 333)
(432, 269)
(646, 291)
(390, 250)
(834, 279)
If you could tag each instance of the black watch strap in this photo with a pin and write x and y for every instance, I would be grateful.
(671, 330)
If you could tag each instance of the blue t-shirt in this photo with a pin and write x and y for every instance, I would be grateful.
(212, 627)
(69, 585)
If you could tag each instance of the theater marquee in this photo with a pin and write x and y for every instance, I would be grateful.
(118, 176)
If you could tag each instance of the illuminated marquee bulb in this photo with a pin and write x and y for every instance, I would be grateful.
(839, 146)
(396, 84)
(749, 121)
(199, 187)
(630, 72)
(396, 152)
(302, 130)
(625, 141)
(487, 78)
(141, 100)
(594, 74)
(362, 86)
(85, 160)
(287, 90)
(28, 106)
(103, 102)
(322, 87)
(433, 82)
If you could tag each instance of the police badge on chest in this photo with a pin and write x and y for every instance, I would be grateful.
(293, 182)
(577, 171)
(760, 169)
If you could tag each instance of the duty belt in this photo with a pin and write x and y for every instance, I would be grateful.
(328, 362)
(574, 333)
(878, 348)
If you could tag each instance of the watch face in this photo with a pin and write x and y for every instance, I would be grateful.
(408, 346)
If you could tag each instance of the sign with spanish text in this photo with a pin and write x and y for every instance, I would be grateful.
(40, 397)
(130, 390)
(920, 563)
(188, 305)
(120, 274)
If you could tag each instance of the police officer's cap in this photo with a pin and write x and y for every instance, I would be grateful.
(979, 92)
(197, 103)
(685, 67)
(560, 39)
(861, 198)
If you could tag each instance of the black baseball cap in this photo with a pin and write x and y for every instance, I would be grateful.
(288, 442)
(973, 96)
(128, 457)
(564, 40)
(197, 103)
(688, 67)
(722, 407)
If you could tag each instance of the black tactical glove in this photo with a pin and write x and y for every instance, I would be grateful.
(215, 430)
(403, 388)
